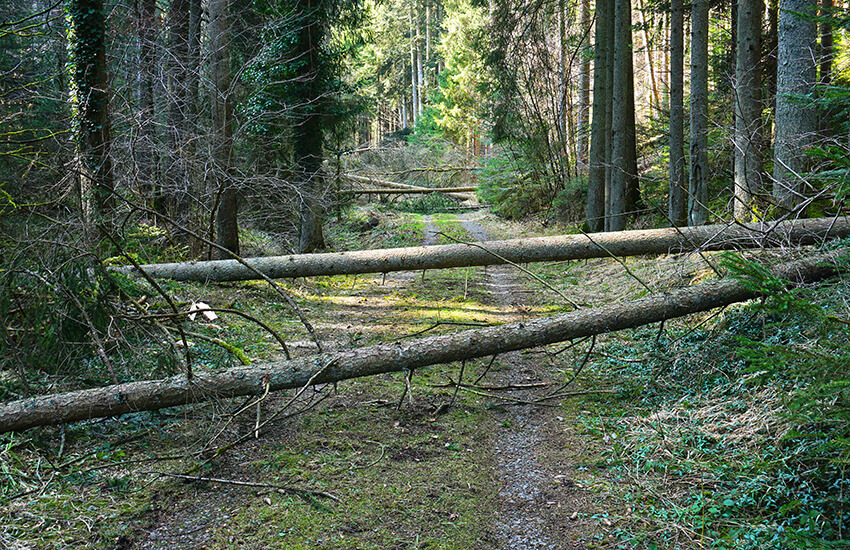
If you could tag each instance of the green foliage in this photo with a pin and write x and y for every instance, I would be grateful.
(427, 204)
(283, 85)
(744, 427)
(51, 316)
(752, 275)
(33, 111)
(512, 191)
(148, 244)
(458, 109)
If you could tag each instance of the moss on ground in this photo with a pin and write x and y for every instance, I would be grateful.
(720, 431)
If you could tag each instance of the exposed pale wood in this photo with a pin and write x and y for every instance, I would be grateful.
(400, 356)
(539, 249)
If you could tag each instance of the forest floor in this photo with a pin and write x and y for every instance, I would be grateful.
(550, 448)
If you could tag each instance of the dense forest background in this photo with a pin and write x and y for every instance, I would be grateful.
(199, 118)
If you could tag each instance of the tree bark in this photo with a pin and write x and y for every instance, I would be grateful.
(173, 200)
(678, 210)
(88, 20)
(412, 191)
(600, 129)
(396, 357)
(308, 132)
(825, 60)
(796, 122)
(540, 249)
(622, 153)
(227, 231)
(827, 52)
(748, 107)
(697, 184)
(394, 185)
(144, 147)
(414, 84)
(584, 90)
(655, 98)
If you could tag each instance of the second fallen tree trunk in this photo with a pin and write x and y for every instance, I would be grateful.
(539, 249)
(395, 185)
(322, 369)
(414, 191)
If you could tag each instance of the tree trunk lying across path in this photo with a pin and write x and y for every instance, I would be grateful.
(539, 249)
(414, 191)
(395, 357)
(395, 185)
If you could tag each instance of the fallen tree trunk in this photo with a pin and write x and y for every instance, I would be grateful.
(395, 185)
(414, 191)
(400, 356)
(539, 249)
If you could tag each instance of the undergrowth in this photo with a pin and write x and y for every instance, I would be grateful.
(737, 433)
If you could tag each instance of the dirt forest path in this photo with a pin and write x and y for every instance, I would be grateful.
(535, 451)
(405, 469)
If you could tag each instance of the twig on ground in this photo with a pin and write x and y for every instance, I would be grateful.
(486, 370)
(408, 377)
(539, 401)
(507, 387)
(584, 362)
(380, 458)
(224, 448)
(284, 488)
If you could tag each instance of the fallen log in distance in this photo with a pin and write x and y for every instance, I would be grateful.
(414, 191)
(538, 249)
(326, 368)
(394, 185)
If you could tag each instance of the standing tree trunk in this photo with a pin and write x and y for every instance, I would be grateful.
(655, 98)
(227, 234)
(609, 108)
(308, 138)
(747, 141)
(600, 124)
(678, 211)
(770, 48)
(796, 122)
(420, 72)
(826, 46)
(633, 198)
(414, 84)
(697, 192)
(622, 143)
(174, 199)
(91, 82)
(583, 129)
(144, 147)
(563, 81)
(826, 57)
